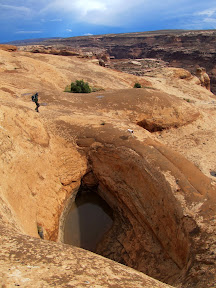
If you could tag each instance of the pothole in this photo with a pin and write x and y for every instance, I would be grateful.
(88, 219)
(113, 231)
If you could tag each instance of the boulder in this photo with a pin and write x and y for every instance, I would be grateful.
(203, 77)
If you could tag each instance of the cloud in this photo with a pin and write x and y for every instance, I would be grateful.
(204, 19)
(51, 20)
(15, 8)
(208, 12)
(123, 13)
(55, 20)
(81, 6)
(111, 13)
(88, 34)
(28, 32)
(103, 16)
(13, 11)
(99, 12)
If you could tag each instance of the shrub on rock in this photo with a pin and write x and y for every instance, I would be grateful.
(137, 85)
(80, 87)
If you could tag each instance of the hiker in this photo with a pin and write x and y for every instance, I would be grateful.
(35, 99)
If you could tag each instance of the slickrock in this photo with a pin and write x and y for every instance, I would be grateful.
(30, 262)
(9, 48)
(178, 48)
(157, 181)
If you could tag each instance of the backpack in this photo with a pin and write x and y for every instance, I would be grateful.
(35, 98)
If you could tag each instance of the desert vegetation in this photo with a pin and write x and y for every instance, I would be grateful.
(80, 87)
(137, 85)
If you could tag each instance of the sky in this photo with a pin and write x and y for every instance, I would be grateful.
(27, 19)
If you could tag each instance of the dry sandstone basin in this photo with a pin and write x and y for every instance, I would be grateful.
(159, 181)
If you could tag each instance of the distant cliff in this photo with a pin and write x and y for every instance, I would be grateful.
(180, 48)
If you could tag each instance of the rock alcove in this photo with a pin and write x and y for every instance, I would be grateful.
(146, 229)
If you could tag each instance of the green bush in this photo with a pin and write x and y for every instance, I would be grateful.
(137, 85)
(80, 87)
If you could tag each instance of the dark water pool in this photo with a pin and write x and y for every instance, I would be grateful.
(87, 221)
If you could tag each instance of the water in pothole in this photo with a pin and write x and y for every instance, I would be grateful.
(88, 220)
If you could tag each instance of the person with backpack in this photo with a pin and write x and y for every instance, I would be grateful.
(35, 99)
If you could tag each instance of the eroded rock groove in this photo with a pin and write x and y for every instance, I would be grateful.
(149, 231)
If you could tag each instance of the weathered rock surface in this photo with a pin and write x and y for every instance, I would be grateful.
(160, 210)
(180, 48)
(9, 48)
(30, 262)
(138, 67)
(203, 77)
(91, 53)
(41, 171)
(164, 206)
(132, 177)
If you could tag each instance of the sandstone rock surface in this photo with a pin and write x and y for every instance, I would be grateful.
(158, 184)
(9, 48)
(178, 48)
(203, 77)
